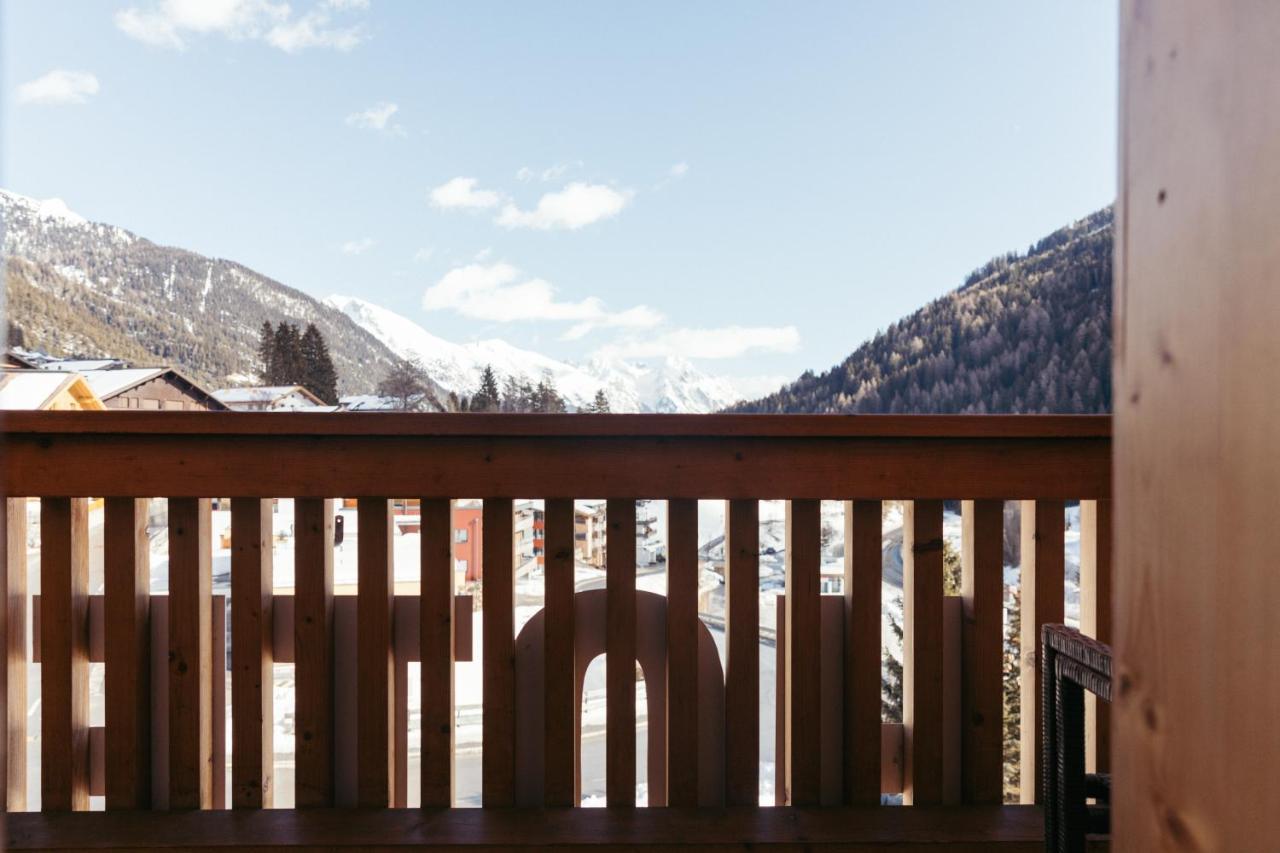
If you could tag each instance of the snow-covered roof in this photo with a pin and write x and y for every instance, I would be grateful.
(108, 383)
(369, 403)
(37, 389)
(266, 395)
(83, 365)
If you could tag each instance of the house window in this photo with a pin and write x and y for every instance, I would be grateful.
(460, 566)
(460, 534)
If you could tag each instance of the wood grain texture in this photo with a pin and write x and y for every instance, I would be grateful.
(982, 662)
(64, 644)
(1096, 542)
(1043, 558)
(742, 653)
(804, 649)
(436, 640)
(190, 654)
(498, 763)
(558, 679)
(682, 652)
(862, 641)
(676, 466)
(620, 653)
(314, 747)
(375, 661)
(252, 708)
(127, 647)
(13, 602)
(1198, 425)
(922, 667)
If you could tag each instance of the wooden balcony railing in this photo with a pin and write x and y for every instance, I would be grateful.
(161, 748)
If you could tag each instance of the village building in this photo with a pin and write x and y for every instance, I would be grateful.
(270, 398)
(46, 390)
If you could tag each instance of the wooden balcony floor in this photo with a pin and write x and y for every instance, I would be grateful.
(1008, 828)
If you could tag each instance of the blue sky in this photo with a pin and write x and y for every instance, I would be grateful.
(758, 186)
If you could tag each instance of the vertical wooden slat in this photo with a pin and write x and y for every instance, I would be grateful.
(375, 667)
(804, 651)
(1043, 530)
(190, 655)
(64, 654)
(13, 609)
(127, 649)
(313, 651)
(982, 635)
(620, 653)
(437, 652)
(742, 653)
(252, 743)
(498, 762)
(1095, 619)
(558, 743)
(922, 668)
(682, 652)
(862, 584)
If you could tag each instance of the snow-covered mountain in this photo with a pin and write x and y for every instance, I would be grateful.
(664, 385)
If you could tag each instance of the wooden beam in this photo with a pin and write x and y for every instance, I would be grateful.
(742, 653)
(13, 609)
(558, 678)
(922, 669)
(190, 655)
(982, 641)
(1095, 620)
(64, 642)
(252, 741)
(375, 670)
(620, 653)
(862, 694)
(313, 652)
(682, 652)
(127, 606)
(1043, 555)
(804, 650)
(498, 764)
(436, 639)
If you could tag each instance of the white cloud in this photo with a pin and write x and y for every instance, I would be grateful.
(462, 192)
(574, 207)
(551, 173)
(59, 86)
(724, 342)
(356, 247)
(169, 23)
(424, 254)
(377, 117)
(499, 292)
(679, 170)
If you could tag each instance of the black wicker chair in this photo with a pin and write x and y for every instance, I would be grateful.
(1071, 663)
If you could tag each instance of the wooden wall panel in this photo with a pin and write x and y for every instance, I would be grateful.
(127, 606)
(982, 652)
(742, 653)
(498, 764)
(313, 652)
(558, 679)
(1197, 648)
(436, 638)
(1095, 620)
(804, 649)
(190, 654)
(922, 650)
(375, 668)
(682, 652)
(252, 741)
(1043, 554)
(862, 635)
(620, 653)
(13, 604)
(64, 644)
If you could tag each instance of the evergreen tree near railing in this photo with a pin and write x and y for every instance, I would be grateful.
(288, 357)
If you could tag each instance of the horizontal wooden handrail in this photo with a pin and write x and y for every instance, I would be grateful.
(143, 454)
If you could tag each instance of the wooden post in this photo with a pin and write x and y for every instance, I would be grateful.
(375, 672)
(190, 655)
(862, 583)
(620, 653)
(558, 677)
(804, 652)
(682, 652)
(252, 742)
(437, 651)
(13, 609)
(982, 638)
(1095, 620)
(313, 651)
(127, 635)
(742, 653)
(1043, 556)
(922, 669)
(498, 763)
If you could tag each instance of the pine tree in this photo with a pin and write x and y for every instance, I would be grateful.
(487, 398)
(1012, 679)
(951, 569)
(267, 353)
(891, 678)
(318, 374)
(547, 399)
(600, 405)
(287, 356)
